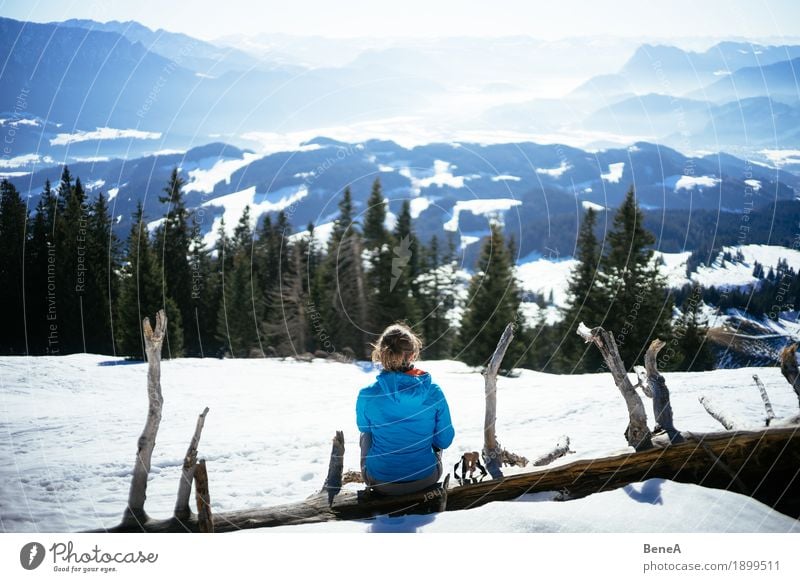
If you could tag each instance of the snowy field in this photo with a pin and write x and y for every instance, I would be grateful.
(69, 426)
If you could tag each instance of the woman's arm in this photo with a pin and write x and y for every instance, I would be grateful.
(361, 416)
(443, 433)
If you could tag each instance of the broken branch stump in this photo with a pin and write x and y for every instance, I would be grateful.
(637, 434)
(205, 519)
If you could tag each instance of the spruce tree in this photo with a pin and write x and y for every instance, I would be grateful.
(174, 239)
(493, 301)
(40, 296)
(437, 297)
(639, 307)
(342, 285)
(694, 353)
(238, 323)
(584, 304)
(13, 216)
(141, 295)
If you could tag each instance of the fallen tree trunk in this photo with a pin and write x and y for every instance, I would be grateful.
(764, 462)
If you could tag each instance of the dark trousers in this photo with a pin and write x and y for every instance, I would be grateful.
(396, 487)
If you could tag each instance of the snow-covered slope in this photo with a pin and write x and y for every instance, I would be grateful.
(70, 426)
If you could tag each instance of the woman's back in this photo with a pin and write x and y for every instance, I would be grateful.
(407, 416)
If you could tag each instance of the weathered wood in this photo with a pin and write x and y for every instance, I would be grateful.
(717, 462)
(765, 461)
(765, 397)
(657, 385)
(637, 433)
(561, 449)
(718, 414)
(641, 381)
(182, 510)
(153, 339)
(789, 368)
(333, 481)
(205, 518)
(492, 453)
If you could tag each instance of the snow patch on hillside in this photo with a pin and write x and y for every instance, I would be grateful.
(486, 207)
(555, 172)
(690, 182)
(544, 275)
(215, 170)
(614, 174)
(102, 133)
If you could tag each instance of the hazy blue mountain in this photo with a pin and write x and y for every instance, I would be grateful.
(190, 52)
(779, 81)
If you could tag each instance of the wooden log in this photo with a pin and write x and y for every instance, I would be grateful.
(182, 510)
(637, 433)
(492, 453)
(718, 414)
(657, 385)
(789, 368)
(765, 461)
(561, 449)
(153, 339)
(641, 381)
(205, 519)
(333, 481)
(765, 397)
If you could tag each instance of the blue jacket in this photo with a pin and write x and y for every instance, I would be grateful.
(407, 416)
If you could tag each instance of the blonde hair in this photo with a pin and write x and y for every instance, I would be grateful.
(397, 348)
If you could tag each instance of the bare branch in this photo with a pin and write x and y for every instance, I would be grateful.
(182, 510)
(662, 408)
(718, 414)
(789, 368)
(153, 339)
(333, 482)
(492, 455)
(637, 433)
(205, 519)
(561, 449)
(765, 397)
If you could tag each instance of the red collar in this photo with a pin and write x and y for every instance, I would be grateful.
(414, 372)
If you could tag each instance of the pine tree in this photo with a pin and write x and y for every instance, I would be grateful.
(141, 295)
(639, 306)
(584, 304)
(342, 284)
(493, 301)
(174, 239)
(40, 290)
(691, 329)
(71, 266)
(238, 322)
(437, 298)
(205, 295)
(13, 216)
(102, 255)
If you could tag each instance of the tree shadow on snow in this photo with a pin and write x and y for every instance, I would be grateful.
(120, 362)
(650, 492)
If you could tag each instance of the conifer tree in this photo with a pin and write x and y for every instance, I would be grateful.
(13, 216)
(141, 295)
(173, 241)
(493, 301)
(342, 284)
(584, 304)
(639, 306)
(691, 329)
(40, 279)
(437, 298)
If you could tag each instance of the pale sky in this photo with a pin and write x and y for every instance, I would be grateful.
(209, 19)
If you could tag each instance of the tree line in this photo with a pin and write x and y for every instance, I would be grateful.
(71, 286)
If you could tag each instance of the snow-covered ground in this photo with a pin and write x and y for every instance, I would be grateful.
(69, 425)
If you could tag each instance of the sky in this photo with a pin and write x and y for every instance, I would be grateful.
(210, 19)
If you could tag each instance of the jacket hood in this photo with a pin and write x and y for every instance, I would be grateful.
(402, 387)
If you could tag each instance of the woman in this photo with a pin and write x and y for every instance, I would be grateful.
(403, 418)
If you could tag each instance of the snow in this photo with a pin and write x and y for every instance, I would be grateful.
(554, 172)
(614, 174)
(112, 193)
(754, 184)
(24, 160)
(674, 268)
(690, 182)
(70, 425)
(233, 205)
(487, 207)
(440, 175)
(734, 274)
(544, 275)
(418, 205)
(102, 133)
(781, 157)
(95, 184)
(593, 205)
(203, 179)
